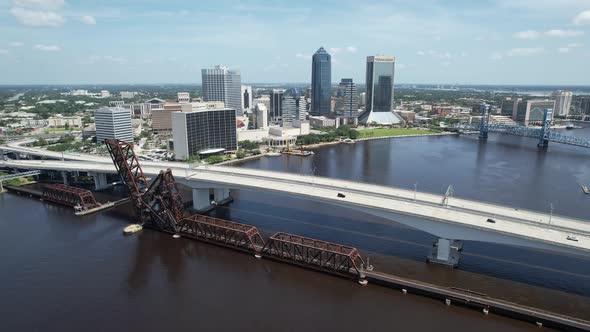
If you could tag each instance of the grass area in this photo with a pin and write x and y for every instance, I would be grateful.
(383, 132)
(18, 181)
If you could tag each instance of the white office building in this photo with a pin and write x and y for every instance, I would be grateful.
(563, 102)
(261, 116)
(113, 122)
(223, 84)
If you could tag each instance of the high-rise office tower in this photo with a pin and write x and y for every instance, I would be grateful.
(261, 116)
(223, 84)
(582, 106)
(321, 82)
(563, 101)
(276, 102)
(293, 107)
(379, 81)
(347, 102)
(113, 122)
(246, 97)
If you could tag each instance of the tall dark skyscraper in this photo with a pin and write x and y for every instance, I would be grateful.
(321, 81)
(276, 104)
(379, 105)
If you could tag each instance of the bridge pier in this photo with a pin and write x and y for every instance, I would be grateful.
(221, 195)
(446, 252)
(64, 176)
(100, 181)
(201, 201)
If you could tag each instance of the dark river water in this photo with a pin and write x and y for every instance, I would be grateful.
(69, 273)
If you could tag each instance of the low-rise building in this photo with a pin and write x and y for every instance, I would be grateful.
(62, 121)
(322, 121)
(34, 123)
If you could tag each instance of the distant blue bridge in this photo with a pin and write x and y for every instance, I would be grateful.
(544, 133)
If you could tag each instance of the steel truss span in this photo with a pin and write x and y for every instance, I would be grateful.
(322, 255)
(72, 196)
(224, 232)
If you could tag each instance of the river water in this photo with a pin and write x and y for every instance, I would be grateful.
(68, 273)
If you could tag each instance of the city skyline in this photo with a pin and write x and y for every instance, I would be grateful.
(70, 42)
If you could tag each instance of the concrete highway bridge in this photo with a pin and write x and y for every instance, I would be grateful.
(451, 219)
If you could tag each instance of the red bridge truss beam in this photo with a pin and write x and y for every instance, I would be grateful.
(314, 253)
(127, 165)
(72, 196)
(223, 232)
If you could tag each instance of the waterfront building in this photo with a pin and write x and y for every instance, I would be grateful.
(276, 102)
(322, 121)
(223, 84)
(198, 133)
(379, 99)
(293, 107)
(347, 99)
(532, 112)
(183, 97)
(510, 106)
(563, 102)
(582, 106)
(321, 83)
(113, 122)
(246, 97)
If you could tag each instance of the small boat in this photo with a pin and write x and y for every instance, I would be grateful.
(348, 141)
(569, 126)
(586, 190)
(273, 154)
(133, 228)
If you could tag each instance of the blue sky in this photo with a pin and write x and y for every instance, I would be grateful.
(156, 41)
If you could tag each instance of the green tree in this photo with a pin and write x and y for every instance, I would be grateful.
(240, 154)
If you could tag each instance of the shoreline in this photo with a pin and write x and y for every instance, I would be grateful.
(319, 145)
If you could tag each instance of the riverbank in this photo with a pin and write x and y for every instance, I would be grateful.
(319, 145)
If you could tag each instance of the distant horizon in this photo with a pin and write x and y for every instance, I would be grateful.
(288, 83)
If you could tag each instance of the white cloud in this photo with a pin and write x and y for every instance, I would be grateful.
(400, 66)
(440, 55)
(47, 48)
(563, 33)
(421, 53)
(582, 18)
(3, 51)
(529, 34)
(339, 50)
(303, 56)
(37, 18)
(525, 51)
(87, 19)
(113, 59)
(556, 33)
(16, 44)
(569, 48)
(104, 59)
(496, 56)
(39, 4)
(335, 50)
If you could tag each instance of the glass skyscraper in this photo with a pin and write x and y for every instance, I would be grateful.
(293, 104)
(379, 80)
(223, 84)
(321, 82)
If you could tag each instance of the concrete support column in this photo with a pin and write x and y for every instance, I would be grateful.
(201, 199)
(446, 252)
(64, 176)
(221, 195)
(100, 181)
